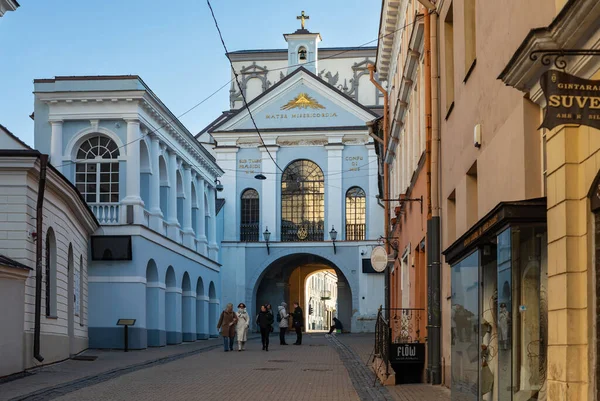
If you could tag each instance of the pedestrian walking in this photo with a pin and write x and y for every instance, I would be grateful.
(298, 322)
(337, 325)
(241, 327)
(270, 312)
(282, 319)
(265, 321)
(226, 324)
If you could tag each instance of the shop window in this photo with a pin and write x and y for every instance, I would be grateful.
(465, 328)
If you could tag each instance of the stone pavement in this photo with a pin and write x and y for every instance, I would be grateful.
(321, 369)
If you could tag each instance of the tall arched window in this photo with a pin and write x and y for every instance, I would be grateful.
(302, 202)
(250, 216)
(50, 273)
(97, 171)
(356, 205)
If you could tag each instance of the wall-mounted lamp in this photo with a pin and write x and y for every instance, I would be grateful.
(333, 236)
(219, 186)
(260, 176)
(266, 236)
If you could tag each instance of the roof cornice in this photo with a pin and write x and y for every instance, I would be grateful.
(387, 27)
(574, 27)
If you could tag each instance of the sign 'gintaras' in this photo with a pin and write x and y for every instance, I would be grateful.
(570, 100)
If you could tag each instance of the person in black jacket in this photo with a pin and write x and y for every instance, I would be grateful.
(264, 320)
(337, 325)
(298, 322)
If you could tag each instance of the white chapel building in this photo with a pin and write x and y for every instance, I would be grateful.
(304, 200)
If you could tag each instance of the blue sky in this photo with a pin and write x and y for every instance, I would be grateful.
(172, 45)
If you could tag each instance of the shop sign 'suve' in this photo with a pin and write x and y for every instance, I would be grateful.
(570, 100)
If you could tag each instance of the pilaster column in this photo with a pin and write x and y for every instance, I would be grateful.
(56, 141)
(213, 247)
(227, 159)
(132, 204)
(202, 317)
(201, 218)
(268, 201)
(334, 195)
(154, 206)
(374, 226)
(173, 229)
(189, 316)
(188, 231)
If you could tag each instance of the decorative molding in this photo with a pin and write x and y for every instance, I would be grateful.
(247, 73)
(174, 290)
(118, 279)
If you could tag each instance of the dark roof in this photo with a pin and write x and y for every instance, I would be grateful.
(320, 49)
(29, 152)
(219, 205)
(4, 261)
(16, 138)
(287, 77)
(214, 122)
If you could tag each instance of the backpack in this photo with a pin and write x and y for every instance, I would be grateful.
(279, 317)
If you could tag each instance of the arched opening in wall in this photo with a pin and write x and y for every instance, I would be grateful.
(50, 276)
(172, 312)
(154, 295)
(145, 173)
(250, 216)
(180, 197)
(71, 300)
(188, 309)
(302, 55)
(213, 310)
(194, 210)
(320, 294)
(164, 185)
(289, 280)
(201, 311)
(302, 202)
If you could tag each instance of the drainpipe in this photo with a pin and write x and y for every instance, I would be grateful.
(433, 219)
(38, 256)
(386, 213)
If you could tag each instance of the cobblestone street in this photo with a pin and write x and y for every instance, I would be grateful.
(321, 369)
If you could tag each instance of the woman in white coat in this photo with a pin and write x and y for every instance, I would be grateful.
(243, 322)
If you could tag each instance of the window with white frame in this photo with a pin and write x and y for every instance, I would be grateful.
(97, 170)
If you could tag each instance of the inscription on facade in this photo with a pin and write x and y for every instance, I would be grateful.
(249, 166)
(299, 115)
(353, 163)
(481, 230)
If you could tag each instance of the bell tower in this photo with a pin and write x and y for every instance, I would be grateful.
(303, 47)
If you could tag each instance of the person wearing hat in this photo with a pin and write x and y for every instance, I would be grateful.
(241, 328)
(282, 318)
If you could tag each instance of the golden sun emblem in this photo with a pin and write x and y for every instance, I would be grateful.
(302, 101)
(302, 233)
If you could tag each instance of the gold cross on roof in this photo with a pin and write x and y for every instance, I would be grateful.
(302, 18)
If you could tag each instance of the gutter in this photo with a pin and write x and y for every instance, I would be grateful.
(38, 256)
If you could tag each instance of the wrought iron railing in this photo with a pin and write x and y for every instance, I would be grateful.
(249, 232)
(406, 325)
(309, 231)
(382, 340)
(355, 232)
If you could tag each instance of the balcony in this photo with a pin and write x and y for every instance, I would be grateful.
(355, 232)
(249, 232)
(106, 213)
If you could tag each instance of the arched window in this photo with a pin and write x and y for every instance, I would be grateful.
(250, 216)
(50, 273)
(302, 202)
(302, 53)
(356, 206)
(97, 170)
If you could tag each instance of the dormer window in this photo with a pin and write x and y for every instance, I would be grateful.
(302, 53)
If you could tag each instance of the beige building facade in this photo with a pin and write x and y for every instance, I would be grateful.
(494, 296)
(572, 155)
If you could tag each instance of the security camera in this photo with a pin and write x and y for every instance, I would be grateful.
(363, 252)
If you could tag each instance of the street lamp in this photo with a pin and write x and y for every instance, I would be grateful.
(333, 236)
(219, 186)
(266, 236)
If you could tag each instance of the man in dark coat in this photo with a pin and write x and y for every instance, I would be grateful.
(337, 325)
(298, 322)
